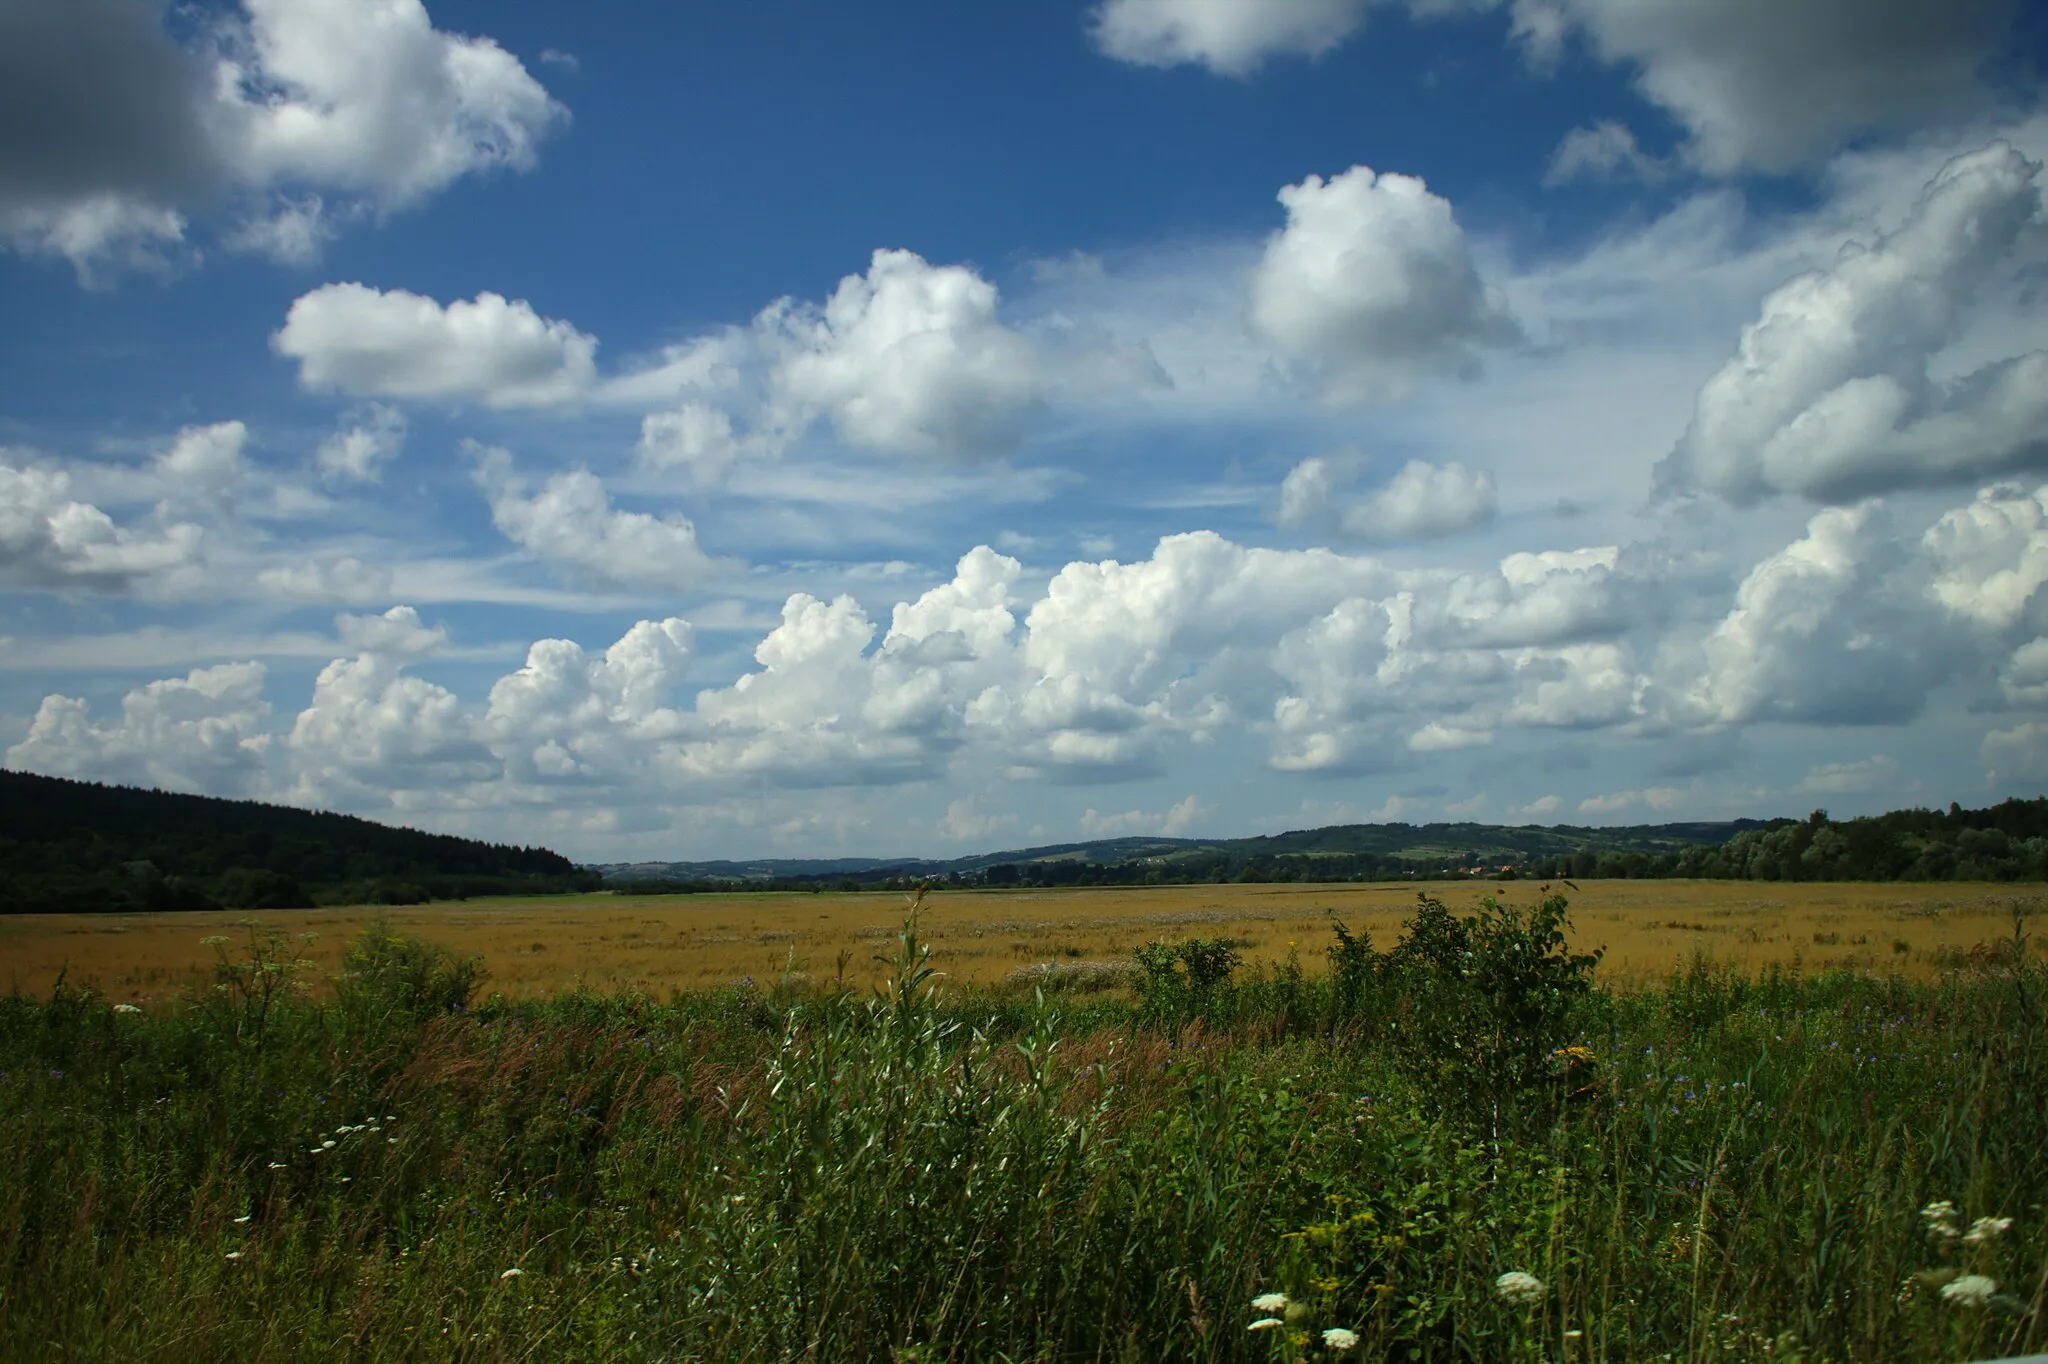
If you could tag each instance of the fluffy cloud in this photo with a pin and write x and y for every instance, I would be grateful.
(1829, 393)
(205, 459)
(313, 112)
(398, 632)
(1331, 663)
(1989, 558)
(1835, 628)
(570, 522)
(1370, 282)
(48, 539)
(205, 732)
(1772, 86)
(1231, 37)
(101, 129)
(1759, 85)
(372, 729)
(363, 341)
(566, 718)
(358, 452)
(1422, 501)
(909, 357)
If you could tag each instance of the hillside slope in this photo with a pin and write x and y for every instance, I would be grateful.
(72, 845)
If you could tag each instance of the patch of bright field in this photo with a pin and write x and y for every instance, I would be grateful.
(659, 943)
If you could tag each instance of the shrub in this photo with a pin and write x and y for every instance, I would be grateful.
(1184, 978)
(385, 974)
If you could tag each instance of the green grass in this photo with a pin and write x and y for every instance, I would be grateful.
(1729, 1169)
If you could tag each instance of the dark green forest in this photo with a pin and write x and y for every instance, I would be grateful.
(79, 846)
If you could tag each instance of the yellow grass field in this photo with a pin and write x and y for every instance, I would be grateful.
(656, 944)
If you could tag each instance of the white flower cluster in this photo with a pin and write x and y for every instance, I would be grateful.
(1518, 1288)
(1971, 1290)
(1986, 1229)
(1275, 1308)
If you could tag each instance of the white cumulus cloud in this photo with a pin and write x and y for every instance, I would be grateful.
(301, 115)
(1371, 282)
(205, 732)
(371, 343)
(571, 523)
(48, 539)
(1830, 393)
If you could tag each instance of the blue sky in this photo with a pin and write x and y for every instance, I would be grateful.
(921, 427)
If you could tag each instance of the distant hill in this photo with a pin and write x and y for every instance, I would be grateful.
(79, 846)
(1339, 852)
(2004, 842)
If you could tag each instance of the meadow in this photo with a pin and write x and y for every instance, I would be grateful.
(532, 948)
(1452, 1137)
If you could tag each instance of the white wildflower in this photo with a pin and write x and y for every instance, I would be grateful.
(1987, 1229)
(329, 1143)
(512, 1273)
(243, 1220)
(127, 1008)
(1270, 1302)
(1517, 1287)
(1337, 1338)
(1265, 1324)
(1972, 1290)
(216, 940)
(234, 1255)
(1941, 1211)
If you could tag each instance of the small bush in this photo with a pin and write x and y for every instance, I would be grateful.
(1184, 978)
(384, 973)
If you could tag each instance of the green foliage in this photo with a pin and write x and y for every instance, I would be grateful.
(927, 1173)
(1184, 978)
(384, 973)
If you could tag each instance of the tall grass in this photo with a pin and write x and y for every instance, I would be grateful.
(1718, 1168)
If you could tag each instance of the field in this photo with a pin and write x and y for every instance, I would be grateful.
(652, 945)
(1468, 1148)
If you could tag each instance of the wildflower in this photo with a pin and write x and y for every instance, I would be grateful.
(1265, 1324)
(243, 1220)
(1517, 1287)
(1972, 1290)
(329, 1143)
(1986, 1229)
(1574, 1334)
(234, 1255)
(1337, 1338)
(1270, 1302)
(127, 1008)
(512, 1273)
(216, 940)
(1938, 1212)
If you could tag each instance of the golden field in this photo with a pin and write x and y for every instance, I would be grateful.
(657, 944)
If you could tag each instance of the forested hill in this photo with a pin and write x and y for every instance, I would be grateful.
(2004, 842)
(71, 845)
